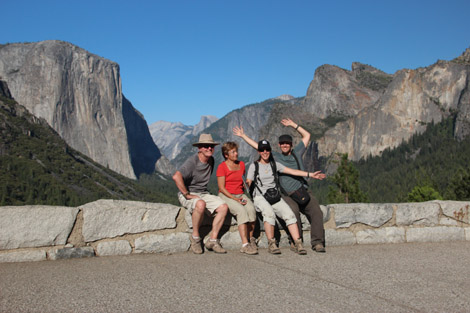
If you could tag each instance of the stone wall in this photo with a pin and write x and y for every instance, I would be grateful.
(112, 227)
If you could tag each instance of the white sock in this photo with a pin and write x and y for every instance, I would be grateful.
(245, 244)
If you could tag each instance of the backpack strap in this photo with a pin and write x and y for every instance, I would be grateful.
(274, 169)
(253, 183)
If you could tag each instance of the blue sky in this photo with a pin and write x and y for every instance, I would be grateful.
(183, 59)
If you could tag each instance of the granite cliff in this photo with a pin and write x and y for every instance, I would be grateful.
(79, 94)
(411, 100)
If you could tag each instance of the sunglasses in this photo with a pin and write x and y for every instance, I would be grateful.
(264, 149)
(206, 146)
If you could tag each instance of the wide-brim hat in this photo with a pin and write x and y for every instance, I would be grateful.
(205, 139)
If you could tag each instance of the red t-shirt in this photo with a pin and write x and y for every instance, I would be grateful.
(233, 179)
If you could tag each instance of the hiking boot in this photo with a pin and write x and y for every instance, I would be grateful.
(253, 243)
(299, 247)
(249, 249)
(318, 248)
(292, 247)
(195, 245)
(272, 247)
(215, 246)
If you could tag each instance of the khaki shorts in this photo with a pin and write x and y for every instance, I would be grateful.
(243, 213)
(212, 202)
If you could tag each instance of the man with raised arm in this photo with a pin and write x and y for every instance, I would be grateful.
(192, 179)
(295, 189)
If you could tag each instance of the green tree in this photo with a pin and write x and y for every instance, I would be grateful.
(459, 188)
(346, 180)
(423, 193)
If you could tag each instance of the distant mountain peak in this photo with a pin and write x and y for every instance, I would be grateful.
(464, 58)
(171, 136)
(285, 97)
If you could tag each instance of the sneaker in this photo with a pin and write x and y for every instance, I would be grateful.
(272, 247)
(318, 248)
(253, 243)
(299, 248)
(248, 249)
(195, 245)
(215, 246)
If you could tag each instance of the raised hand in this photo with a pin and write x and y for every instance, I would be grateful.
(288, 122)
(238, 131)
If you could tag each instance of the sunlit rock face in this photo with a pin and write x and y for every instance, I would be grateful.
(79, 94)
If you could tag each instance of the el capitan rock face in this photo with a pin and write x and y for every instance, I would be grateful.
(79, 94)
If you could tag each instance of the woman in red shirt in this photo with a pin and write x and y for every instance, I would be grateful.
(230, 180)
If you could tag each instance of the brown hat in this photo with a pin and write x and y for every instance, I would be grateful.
(205, 139)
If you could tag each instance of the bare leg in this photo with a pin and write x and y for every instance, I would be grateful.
(294, 231)
(218, 221)
(243, 230)
(269, 230)
(251, 229)
(197, 216)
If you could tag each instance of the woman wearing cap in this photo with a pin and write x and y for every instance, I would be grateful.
(230, 180)
(265, 180)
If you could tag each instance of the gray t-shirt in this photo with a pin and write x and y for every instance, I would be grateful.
(288, 182)
(265, 179)
(196, 174)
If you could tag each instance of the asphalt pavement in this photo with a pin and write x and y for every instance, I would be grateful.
(411, 277)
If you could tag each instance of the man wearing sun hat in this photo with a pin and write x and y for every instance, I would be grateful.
(192, 179)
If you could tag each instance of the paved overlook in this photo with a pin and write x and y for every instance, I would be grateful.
(409, 277)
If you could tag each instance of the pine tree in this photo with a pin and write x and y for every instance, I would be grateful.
(459, 188)
(346, 180)
(423, 193)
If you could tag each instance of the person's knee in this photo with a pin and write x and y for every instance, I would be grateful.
(200, 206)
(222, 209)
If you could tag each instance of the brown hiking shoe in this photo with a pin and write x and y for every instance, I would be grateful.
(272, 247)
(292, 247)
(318, 248)
(195, 245)
(253, 243)
(299, 248)
(249, 249)
(215, 246)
